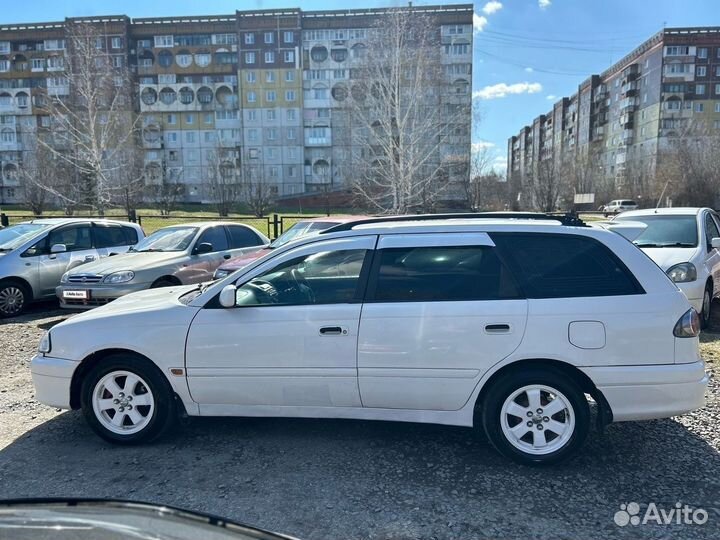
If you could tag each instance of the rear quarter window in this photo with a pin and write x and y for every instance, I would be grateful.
(565, 266)
(241, 237)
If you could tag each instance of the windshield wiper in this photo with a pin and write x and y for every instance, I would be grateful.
(647, 245)
(149, 250)
(669, 244)
(4, 249)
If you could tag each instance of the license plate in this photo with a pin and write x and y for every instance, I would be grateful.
(77, 295)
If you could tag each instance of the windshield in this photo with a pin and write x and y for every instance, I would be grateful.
(302, 228)
(168, 239)
(665, 230)
(17, 235)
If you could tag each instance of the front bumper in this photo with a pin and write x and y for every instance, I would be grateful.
(651, 391)
(99, 294)
(51, 378)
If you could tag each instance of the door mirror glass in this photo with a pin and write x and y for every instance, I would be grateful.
(203, 247)
(227, 296)
(715, 243)
(58, 248)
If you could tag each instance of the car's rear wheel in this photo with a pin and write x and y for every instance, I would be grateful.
(126, 400)
(14, 298)
(536, 417)
(162, 282)
(706, 313)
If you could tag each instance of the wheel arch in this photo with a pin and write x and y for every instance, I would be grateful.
(90, 361)
(22, 281)
(173, 279)
(558, 366)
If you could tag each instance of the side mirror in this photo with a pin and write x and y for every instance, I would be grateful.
(58, 248)
(227, 296)
(203, 247)
(715, 243)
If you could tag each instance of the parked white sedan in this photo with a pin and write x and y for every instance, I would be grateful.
(684, 242)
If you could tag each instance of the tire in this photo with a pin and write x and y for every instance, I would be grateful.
(558, 435)
(14, 298)
(107, 383)
(162, 283)
(706, 314)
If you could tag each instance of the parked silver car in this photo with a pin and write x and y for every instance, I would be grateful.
(176, 255)
(35, 254)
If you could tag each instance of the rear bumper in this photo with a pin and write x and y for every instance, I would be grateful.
(654, 391)
(99, 295)
(51, 379)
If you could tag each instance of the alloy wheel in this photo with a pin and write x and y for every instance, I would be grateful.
(537, 419)
(12, 300)
(122, 402)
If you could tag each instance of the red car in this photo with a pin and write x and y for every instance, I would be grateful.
(301, 228)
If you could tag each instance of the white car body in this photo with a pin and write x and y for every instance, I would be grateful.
(424, 361)
(619, 205)
(703, 256)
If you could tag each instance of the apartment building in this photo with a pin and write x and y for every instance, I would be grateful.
(259, 92)
(615, 130)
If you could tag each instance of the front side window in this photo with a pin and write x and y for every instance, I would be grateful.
(710, 229)
(328, 277)
(564, 266)
(73, 238)
(437, 274)
(214, 236)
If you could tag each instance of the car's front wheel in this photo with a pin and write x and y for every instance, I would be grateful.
(706, 313)
(14, 298)
(536, 417)
(126, 400)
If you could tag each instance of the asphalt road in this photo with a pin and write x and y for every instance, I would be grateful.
(319, 479)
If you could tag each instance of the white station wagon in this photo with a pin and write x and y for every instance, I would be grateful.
(503, 324)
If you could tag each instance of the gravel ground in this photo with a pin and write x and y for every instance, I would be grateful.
(319, 479)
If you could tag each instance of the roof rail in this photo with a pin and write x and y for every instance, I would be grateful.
(566, 219)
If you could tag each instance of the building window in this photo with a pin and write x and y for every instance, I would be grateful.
(116, 43)
(292, 171)
(288, 36)
(271, 114)
(291, 133)
(716, 124)
(700, 89)
(22, 100)
(38, 64)
(291, 114)
(118, 61)
(699, 107)
(250, 77)
(270, 96)
(249, 57)
(251, 97)
(273, 172)
(251, 115)
(209, 136)
(269, 57)
(164, 41)
(272, 134)
(717, 107)
(4, 47)
(269, 37)
(289, 76)
(190, 137)
(184, 59)
(457, 49)
(189, 118)
(208, 118)
(289, 56)
(290, 95)
(203, 59)
(292, 153)
(702, 52)
(269, 76)
(252, 135)
(717, 90)
(7, 136)
(249, 38)
(675, 50)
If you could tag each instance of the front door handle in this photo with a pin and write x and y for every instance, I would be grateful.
(89, 258)
(332, 331)
(227, 256)
(497, 328)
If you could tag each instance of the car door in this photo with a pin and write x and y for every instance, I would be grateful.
(243, 240)
(440, 310)
(712, 261)
(79, 249)
(111, 238)
(299, 349)
(201, 266)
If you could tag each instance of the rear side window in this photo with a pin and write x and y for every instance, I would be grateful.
(565, 266)
(241, 237)
(112, 236)
(436, 274)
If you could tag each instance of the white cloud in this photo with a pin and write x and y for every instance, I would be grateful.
(544, 3)
(529, 69)
(501, 90)
(492, 7)
(499, 163)
(482, 145)
(551, 96)
(479, 22)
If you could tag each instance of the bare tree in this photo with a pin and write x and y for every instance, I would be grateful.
(91, 116)
(549, 186)
(256, 192)
(480, 166)
(403, 121)
(163, 187)
(224, 178)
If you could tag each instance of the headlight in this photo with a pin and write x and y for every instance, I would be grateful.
(120, 277)
(682, 273)
(44, 346)
(219, 274)
(64, 278)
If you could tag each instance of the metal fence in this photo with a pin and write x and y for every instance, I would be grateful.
(273, 225)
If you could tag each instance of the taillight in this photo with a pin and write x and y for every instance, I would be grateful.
(688, 325)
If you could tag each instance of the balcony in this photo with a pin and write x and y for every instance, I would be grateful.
(631, 72)
(627, 120)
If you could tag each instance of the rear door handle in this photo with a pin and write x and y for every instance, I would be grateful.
(497, 328)
(332, 331)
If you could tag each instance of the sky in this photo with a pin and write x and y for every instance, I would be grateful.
(527, 53)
